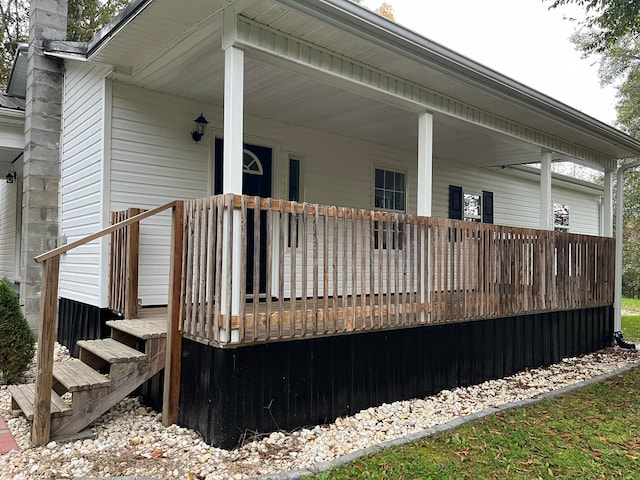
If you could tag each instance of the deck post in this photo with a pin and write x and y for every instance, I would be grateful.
(171, 391)
(607, 217)
(425, 189)
(41, 428)
(133, 248)
(232, 165)
(546, 211)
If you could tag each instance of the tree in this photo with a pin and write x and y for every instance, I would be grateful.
(386, 10)
(14, 27)
(607, 22)
(85, 18)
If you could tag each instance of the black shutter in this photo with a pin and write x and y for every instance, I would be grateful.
(487, 207)
(455, 202)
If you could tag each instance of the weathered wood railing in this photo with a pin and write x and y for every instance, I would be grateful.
(124, 252)
(333, 270)
(41, 428)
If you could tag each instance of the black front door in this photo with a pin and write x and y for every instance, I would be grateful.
(256, 180)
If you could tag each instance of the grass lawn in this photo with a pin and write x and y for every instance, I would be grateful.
(631, 322)
(590, 433)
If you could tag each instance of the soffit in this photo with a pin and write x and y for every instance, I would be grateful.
(177, 50)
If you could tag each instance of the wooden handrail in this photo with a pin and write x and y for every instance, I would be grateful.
(41, 428)
(65, 248)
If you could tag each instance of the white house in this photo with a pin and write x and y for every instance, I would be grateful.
(374, 133)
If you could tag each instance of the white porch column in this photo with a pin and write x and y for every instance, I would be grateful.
(233, 120)
(546, 213)
(607, 217)
(425, 163)
(232, 166)
(425, 188)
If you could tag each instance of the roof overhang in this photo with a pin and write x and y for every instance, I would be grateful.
(176, 48)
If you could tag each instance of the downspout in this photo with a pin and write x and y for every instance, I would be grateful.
(617, 305)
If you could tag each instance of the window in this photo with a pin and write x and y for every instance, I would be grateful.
(294, 193)
(560, 217)
(389, 194)
(472, 207)
(389, 190)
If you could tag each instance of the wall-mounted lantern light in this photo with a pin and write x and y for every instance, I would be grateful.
(201, 128)
(11, 176)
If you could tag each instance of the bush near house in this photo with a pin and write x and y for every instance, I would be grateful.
(17, 345)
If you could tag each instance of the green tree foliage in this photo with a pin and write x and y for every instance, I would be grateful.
(14, 26)
(385, 9)
(85, 18)
(608, 21)
(612, 31)
(16, 340)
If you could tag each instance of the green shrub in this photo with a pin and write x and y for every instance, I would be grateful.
(17, 344)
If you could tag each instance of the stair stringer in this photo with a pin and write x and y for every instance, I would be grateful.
(89, 405)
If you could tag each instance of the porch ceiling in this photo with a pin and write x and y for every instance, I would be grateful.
(170, 48)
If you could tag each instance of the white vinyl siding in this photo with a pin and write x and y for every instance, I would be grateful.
(82, 186)
(154, 160)
(584, 210)
(8, 196)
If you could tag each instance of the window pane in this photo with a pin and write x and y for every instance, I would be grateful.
(379, 200)
(294, 179)
(471, 205)
(388, 200)
(379, 178)
(399, 187)
(560, 215)
(399, 201)
(389, 180)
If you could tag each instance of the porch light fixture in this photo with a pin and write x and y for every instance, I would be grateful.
(201, 128)
(11, 176)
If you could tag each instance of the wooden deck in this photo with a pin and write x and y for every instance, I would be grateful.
(333, 257)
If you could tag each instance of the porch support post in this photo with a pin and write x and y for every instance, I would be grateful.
(232, 274)
(607, 217)
(425, 188)
(425, 163)
(546, 218)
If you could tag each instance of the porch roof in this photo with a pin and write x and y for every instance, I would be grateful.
(167, 46)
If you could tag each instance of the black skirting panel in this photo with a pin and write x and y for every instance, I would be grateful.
(80, 321)
(231, 394)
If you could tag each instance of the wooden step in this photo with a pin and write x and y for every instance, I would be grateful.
(111, 350)
(141, 328)
(76, 375)
(24, 396)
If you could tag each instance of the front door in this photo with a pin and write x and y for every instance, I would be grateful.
(256, 180)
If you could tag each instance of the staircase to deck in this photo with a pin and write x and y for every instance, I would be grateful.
(106, 371)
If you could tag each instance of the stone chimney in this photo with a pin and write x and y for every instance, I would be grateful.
(43, 122)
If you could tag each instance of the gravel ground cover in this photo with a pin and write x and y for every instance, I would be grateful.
(130, 440)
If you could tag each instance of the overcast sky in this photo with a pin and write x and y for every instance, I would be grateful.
(522, 39)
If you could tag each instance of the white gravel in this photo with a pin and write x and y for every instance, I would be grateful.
(131, 441)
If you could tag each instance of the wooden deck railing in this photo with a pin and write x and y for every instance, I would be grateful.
(41, 428)
(123, 264)
(334, 270)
